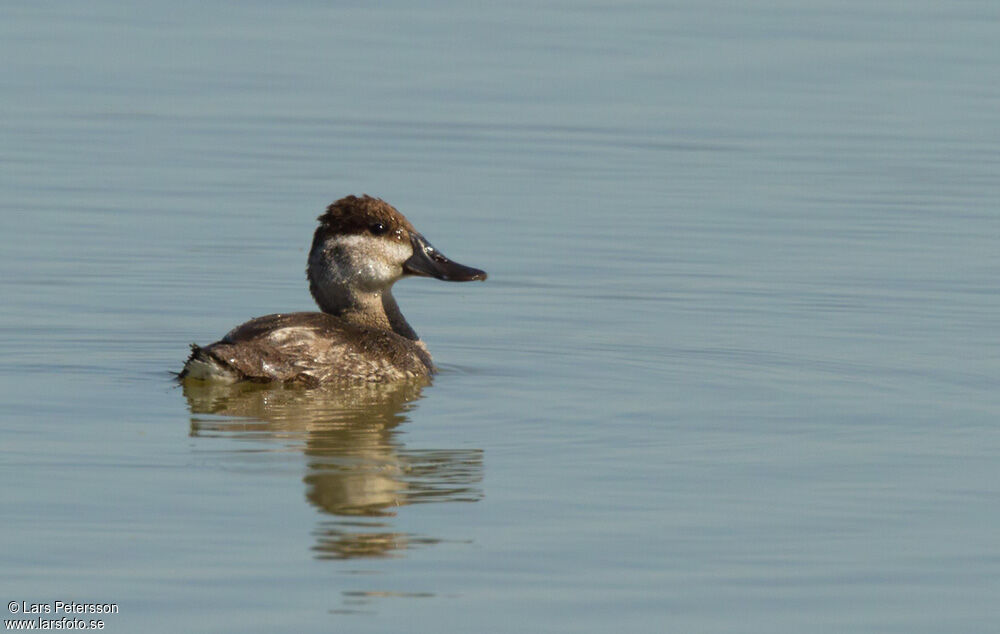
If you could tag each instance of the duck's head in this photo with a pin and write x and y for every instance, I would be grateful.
(363, 245)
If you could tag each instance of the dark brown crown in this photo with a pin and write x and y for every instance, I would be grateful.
(352, 214)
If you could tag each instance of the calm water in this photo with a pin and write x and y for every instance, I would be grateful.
(735, 368)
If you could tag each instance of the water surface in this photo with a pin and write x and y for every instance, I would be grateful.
(734, 370)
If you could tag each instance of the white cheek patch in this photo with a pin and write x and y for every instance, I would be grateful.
(370, 260)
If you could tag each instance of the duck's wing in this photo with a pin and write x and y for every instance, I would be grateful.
(282, 328)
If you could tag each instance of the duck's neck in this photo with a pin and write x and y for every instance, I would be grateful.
(375, 310)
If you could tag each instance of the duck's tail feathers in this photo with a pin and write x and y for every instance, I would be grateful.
(205, 366)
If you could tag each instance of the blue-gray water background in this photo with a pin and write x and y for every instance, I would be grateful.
(735, 368)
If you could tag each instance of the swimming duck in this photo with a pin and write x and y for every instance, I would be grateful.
(361, 248)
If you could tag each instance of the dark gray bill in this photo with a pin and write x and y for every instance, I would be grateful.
(429, 262)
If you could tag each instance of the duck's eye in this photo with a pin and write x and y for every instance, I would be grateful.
(377, 229)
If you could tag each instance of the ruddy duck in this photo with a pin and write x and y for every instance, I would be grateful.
(360, 249)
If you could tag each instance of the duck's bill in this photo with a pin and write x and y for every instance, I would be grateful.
(429, 262)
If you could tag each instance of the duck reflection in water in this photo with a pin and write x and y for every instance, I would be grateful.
(357, 468)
